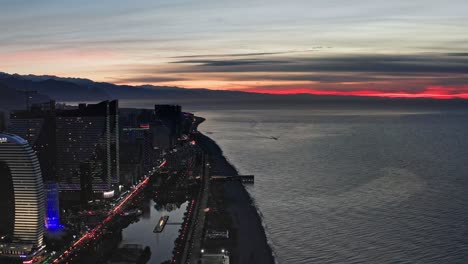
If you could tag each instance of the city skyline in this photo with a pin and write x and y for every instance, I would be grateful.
(376, 48)
(232, 132)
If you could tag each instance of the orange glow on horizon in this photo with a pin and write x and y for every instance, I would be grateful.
(430, 92)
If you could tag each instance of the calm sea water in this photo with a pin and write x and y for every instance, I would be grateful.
(354, 186)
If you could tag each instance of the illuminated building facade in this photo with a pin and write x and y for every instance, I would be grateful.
(37, 126)
(22, 198)
(52, 220)
(70, 142)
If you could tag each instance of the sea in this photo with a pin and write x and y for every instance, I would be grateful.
(353, 180)
(353, 185)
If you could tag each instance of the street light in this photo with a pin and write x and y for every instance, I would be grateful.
(202, 251)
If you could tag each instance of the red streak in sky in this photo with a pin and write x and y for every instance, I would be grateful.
(434, 92)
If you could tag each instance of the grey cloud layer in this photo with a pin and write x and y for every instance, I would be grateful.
(411, 73)
(391, 64)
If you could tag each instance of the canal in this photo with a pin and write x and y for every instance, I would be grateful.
(141, 232)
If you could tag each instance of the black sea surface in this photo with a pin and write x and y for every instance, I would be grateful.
(354, 185)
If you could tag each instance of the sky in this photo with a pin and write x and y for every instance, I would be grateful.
(395, 48)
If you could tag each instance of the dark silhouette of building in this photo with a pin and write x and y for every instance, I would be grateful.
(66, 137)
(86, 181)
(137, 150)
(37, 126)
(170, 116)
(131, 163)
(137, 147)
(88, 133)
(2, 121)
(161, 136)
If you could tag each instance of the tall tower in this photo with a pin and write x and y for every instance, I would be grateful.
(37, 126)
(88, 136)
(170, 116)
(20, 175)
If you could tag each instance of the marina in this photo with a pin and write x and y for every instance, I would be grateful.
(161, 244)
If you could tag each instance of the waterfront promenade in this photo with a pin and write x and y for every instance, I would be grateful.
(194, 244)
(249, 243)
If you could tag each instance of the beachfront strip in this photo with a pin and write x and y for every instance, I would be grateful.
(177, 199)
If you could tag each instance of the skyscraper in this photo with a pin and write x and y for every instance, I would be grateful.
(37, 126)
(22, 202)
(2, 121)
(170, 116)
(87, 137)
(67, 140)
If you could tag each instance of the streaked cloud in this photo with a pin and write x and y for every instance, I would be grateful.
(247, 54)
(424, 63)
(149, 79)
(399, 46)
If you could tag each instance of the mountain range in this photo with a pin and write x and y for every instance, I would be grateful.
(61, 89)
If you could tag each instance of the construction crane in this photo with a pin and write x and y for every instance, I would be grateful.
(28, 94)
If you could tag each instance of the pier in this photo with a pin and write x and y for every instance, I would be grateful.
(248, 179)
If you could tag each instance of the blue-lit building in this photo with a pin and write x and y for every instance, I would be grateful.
(52, 220)
(38, 127)
(72, 144)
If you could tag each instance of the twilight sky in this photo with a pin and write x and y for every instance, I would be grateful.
(358, 47)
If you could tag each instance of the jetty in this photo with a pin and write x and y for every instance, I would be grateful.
(249, 179)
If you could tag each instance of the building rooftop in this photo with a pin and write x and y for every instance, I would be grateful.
(10, 138)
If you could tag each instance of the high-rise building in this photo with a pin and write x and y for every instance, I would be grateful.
(22, 198)
(52, 220)
(87, 137)
(131, 163)
(37, 126)
(68, 139)
(2, 121)
(141, 137)
(137, 151)
(160, 136)
(170, 116)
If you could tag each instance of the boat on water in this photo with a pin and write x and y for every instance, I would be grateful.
(161, 224)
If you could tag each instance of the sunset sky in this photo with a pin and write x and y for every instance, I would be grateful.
(365, 47)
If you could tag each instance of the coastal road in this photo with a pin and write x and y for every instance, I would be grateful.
(96, 232)
(194, 246)
(251, 245)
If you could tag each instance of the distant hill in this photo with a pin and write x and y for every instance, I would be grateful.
(85, 90)
(76, 89)
(11, 98)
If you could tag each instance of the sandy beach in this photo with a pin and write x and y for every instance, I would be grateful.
(250, 240)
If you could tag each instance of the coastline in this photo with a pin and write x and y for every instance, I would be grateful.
(251, 244)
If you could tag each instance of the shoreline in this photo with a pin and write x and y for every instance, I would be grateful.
(251, 242)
